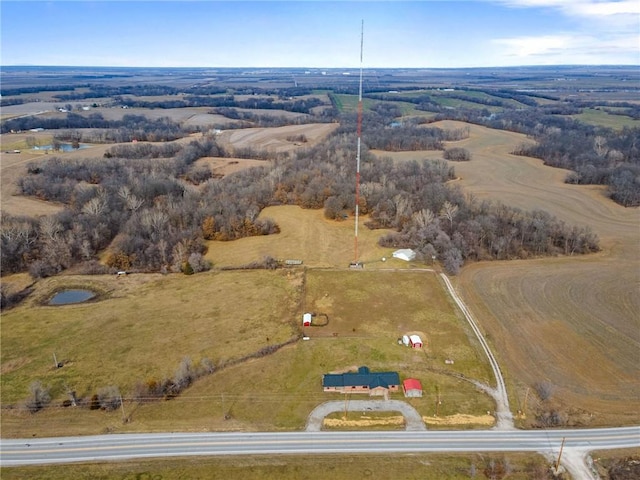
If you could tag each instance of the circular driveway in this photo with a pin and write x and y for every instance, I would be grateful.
(412, 417)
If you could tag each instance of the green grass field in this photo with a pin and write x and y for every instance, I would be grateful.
(601, 118)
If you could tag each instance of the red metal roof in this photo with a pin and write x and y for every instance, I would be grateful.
(412, 384)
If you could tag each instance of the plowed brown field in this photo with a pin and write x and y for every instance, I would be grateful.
(571, 321)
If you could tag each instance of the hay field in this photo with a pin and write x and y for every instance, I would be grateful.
(570, 321)
(12, 166)
(275, 138)
(308, 236)
(141, 327)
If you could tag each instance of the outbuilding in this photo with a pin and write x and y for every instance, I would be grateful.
(412, 387)
(415, 341)
(405, 254)
(306, 320)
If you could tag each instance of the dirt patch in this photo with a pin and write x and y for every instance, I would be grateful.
(364, 421)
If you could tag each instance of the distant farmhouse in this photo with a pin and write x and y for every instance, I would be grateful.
(364, 381)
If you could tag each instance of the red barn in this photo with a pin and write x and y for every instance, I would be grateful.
(412, 387)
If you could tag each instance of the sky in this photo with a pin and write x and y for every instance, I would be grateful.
(320, 34)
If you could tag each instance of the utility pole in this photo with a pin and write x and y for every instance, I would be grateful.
(560, 454)
(55, 361)
(346, 405)
(124, 417)
(356, 263)
(524, 407)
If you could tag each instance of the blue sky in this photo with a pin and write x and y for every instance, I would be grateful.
(323, 34)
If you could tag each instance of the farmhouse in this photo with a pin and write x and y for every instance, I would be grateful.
(364, 381)
(412, 387)
(405, 254)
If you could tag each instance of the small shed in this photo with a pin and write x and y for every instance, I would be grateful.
(306, 320)
(412, 387)
(415, 341)
(405, 254)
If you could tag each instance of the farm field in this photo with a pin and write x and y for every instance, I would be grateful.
(570, 322)
(605, 119)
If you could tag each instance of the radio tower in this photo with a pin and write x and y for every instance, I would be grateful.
(356, 263)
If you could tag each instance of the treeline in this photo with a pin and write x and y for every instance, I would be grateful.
(301, 105)
(130, 127)
(7, 92)
(250, 118)
(385, 133)
(148, 90)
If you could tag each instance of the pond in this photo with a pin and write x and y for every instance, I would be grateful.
(66, 297)
(63, 147)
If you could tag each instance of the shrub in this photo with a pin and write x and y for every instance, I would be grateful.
(38, 397)
(457, 154)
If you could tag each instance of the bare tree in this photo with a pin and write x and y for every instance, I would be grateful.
(38, 396)
(109, 397)
(96, 206)
(49, 227)
(449, 211)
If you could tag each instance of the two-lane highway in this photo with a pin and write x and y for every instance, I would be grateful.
(129, 446)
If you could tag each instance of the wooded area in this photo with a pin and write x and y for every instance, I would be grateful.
(153, 209)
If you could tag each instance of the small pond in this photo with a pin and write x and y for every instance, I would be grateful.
(71, 296)
(63, 147)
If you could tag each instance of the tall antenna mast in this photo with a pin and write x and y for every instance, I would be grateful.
(355, 263)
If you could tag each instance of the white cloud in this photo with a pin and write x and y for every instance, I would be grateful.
(568, 49)
(585, 8)
(599, 31)
(535, 45)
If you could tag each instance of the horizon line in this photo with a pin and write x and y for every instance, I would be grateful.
(325, 68)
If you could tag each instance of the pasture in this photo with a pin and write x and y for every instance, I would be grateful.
(144, 325)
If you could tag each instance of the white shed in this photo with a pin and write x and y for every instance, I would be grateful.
(405, 254)
(306, 320)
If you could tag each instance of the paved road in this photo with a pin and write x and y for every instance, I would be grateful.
(128, 446)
